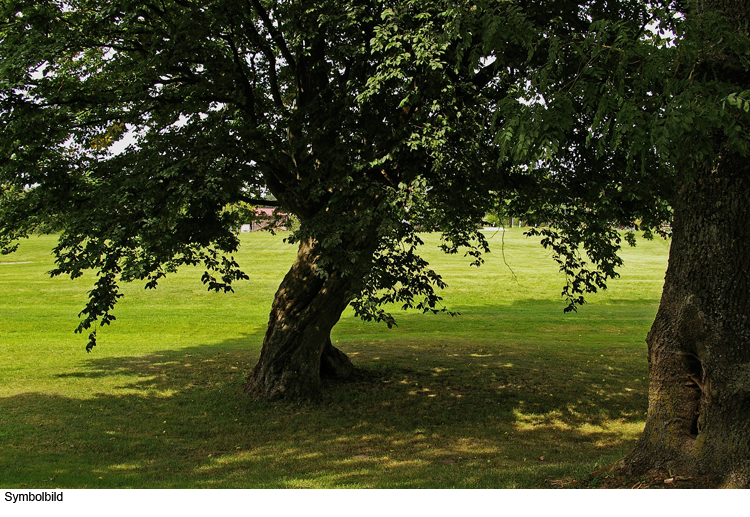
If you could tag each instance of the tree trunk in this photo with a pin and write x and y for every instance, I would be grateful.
(297, 351)
(699, 346)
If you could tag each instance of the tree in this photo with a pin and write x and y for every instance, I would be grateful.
(366, 120)
(699, 358)
(348, 112)
(629, 124)
(370, 120)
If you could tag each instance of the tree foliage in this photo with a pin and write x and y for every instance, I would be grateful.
(367, 120)
(613, 119)
(342, 110)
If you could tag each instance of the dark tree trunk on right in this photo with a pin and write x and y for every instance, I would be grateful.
(699, 346)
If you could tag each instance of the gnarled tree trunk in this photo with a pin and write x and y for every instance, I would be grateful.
(699, 345)
(297, 351)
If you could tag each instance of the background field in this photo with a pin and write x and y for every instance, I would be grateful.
(511, 393)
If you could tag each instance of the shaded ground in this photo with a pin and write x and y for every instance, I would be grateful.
(430, 416)
(654, 480)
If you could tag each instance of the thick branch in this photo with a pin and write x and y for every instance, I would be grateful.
(275, 34)
(260, 42)
(246, 86)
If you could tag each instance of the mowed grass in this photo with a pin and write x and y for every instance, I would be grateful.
(511, 393)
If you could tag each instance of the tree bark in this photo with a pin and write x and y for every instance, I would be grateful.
(699, 346)
(297, 352)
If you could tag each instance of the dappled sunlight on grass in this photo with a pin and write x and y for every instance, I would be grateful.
(424, 417)
(606, 433)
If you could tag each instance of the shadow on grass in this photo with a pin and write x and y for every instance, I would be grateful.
(440, 413)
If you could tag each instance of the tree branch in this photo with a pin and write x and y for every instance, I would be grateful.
(260, 202)
(275, 34)
(247, 87)
(256, 38)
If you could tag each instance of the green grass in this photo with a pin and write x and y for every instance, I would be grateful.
(512, 393)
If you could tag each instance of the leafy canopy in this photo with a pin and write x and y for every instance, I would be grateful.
(369, 121)
(361, 118)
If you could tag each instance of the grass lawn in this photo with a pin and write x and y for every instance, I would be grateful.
(511, 393)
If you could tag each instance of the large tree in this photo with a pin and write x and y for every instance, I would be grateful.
(350, 113)
(699, 345)
(648, 126)
(370, 120)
